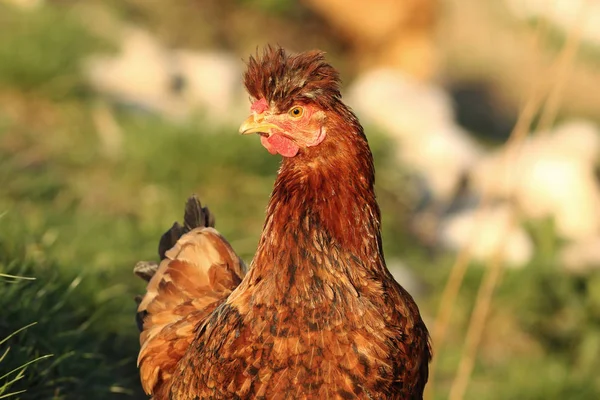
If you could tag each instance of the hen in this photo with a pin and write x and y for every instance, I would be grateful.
(317, 315)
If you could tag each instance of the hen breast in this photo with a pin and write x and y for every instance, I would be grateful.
(341, 346)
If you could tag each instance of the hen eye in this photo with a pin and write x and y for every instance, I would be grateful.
(296, 112)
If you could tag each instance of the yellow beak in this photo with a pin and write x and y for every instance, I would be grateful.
(256, 124)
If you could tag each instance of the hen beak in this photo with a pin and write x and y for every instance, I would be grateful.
(256, 124)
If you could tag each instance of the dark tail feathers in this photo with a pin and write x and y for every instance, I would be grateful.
(195, 216)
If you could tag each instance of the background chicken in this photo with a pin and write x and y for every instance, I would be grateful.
(318, 315)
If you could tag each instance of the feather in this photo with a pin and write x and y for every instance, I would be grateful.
(195, 276)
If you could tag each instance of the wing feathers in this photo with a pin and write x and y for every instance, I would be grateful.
(196, 275)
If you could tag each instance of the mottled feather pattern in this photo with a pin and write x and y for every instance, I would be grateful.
(194, 216)
(195, 276)
(318, 315)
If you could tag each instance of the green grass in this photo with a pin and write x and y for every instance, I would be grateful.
(40, 51)
(77, 218)
(8, 380)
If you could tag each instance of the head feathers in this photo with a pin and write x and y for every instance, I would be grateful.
(283, 79)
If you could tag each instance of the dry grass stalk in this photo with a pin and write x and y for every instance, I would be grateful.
(477, 323)
(464, 257)
(534, 101)
(485, 293)
(564, 67)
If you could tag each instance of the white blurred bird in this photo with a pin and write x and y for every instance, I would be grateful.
(552, 175)
(421, 118)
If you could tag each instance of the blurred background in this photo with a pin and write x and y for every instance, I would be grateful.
(483, 116)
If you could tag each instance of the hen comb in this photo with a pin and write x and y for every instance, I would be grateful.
(259, 106)
(282, 78)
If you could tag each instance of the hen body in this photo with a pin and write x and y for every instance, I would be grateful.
(318, 315)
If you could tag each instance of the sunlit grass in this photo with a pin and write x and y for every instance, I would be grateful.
(9, 378)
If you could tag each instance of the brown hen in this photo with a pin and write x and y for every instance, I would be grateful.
(318, 315)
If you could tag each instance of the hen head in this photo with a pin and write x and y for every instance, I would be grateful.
(292, 98)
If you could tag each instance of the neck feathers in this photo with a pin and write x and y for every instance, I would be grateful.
(323, 219)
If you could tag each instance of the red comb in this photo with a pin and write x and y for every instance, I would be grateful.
(259, 106)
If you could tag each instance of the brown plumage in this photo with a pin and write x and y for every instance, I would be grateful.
(318, 315)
